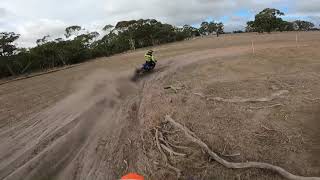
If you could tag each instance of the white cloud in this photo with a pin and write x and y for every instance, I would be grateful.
(3, 12)
(310, 6)
(235, 23)
(33, 30)
(315, 20)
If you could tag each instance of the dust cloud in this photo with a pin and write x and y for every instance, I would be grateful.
(63, 138)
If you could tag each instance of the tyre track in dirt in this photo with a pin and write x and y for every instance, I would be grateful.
(93, 133)
(54, 136)
(74, 144)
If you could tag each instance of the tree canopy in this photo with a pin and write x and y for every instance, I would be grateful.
(266, 21)
(270, 20)
(7, 47)
(72, 30)
(303, 25)
(211, 27)
(107, 27)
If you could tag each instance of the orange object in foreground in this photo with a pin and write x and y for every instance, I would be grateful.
(132, 176)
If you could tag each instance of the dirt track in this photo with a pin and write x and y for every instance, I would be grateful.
(92, 122)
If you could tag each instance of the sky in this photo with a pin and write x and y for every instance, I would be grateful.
(33, 19)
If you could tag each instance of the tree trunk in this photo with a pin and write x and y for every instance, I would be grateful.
(10, 70)
(132, 44)
(26, 68)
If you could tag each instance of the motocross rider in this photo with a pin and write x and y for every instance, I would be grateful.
(150, 59)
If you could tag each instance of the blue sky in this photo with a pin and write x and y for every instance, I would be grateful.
(34, 19)
(245, 13)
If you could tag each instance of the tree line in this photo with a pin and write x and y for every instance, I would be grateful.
(78, 46)
(270, 20)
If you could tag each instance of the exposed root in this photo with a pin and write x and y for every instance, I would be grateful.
(231, 155)
(172, 152)
(267, 128)
(161, 138)
(159, 147)
(199, 94)
(284, 85)
(127, 166)
(168, 145)
(276, 131)
(264, 107)
(175, 89)
(178, 171)
(261, 135)
(227, 164)
(312, 99)
(175, 141)
(178, 147)
(251, 100)
(244, 100)
(224, 149)
(143, 147)
(170, 132)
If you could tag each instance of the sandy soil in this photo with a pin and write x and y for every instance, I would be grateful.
(92, 122)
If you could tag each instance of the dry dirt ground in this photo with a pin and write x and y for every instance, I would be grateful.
(92, 122)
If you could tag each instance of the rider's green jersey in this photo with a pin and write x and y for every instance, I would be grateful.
(149, 58)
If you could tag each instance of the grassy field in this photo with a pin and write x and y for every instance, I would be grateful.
(92, 122)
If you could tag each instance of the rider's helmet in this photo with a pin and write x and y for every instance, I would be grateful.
(150, 52)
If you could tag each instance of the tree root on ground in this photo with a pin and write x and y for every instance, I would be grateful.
(167, 146)
(175, 89)
(178, 147)
(268, 129)
(167, 164)
(199, 94)
(229, 155)
(172, 152)
(170, 132)
(264, 107)
(244, 100)
(227, 164)
(312, 99)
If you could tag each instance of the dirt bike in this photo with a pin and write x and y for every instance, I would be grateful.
(146, 68)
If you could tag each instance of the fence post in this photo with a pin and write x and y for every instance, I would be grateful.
(253, 50)
(297, 40)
